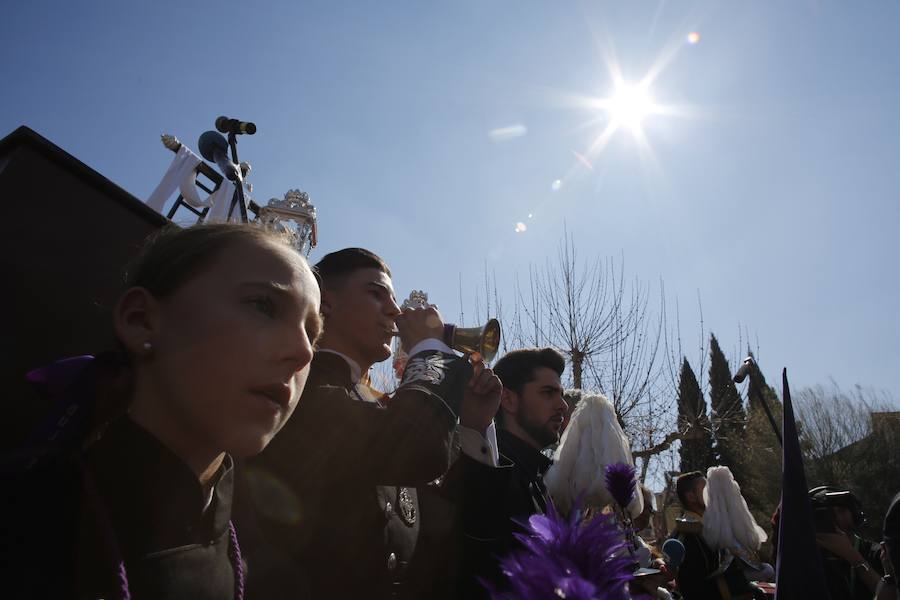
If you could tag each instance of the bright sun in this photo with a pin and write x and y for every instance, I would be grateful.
(628, 107)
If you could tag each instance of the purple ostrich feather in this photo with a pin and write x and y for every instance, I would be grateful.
(567, 558)
(621, 483)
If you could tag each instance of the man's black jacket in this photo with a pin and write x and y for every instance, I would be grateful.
(335, 490)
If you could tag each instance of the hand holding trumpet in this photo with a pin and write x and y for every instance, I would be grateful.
(482, 397)
(417, 324)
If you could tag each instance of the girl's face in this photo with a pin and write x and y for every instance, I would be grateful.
(231, 348)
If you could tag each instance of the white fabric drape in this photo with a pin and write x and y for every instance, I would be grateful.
(183, 166)
(182, 175)
(220, 201)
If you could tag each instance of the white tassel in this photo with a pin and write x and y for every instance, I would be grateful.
(727, 522)
(593, 440)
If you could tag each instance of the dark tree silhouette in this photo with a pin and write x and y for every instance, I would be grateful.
(696, 452)
(728, 416)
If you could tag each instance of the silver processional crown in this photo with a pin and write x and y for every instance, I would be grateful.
(294, 215)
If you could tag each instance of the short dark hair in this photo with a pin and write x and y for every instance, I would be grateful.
(517, 368)
(334, 268)
(685, 483)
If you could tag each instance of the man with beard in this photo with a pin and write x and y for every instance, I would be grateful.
(530, 418)
(531, 415)
(336, 489)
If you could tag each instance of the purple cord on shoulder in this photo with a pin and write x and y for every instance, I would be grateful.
(236, 562)
(109, 536)
(122, 581)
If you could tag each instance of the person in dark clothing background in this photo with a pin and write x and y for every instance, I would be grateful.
(700, 576)
(530, 418)
(851, 563)
(887, 587)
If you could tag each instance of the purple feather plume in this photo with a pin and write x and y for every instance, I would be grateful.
(567, 558)
(621, 483)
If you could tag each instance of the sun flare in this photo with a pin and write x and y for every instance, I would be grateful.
(629, 106)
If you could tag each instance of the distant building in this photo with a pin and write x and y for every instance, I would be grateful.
(884, 425)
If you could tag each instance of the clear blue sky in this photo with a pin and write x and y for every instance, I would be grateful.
(776, 196)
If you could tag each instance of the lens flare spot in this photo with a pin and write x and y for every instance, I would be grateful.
(581, 158)
(521, 227)
(502, 134)
(693, 37)
(556, 185)
(529, 215)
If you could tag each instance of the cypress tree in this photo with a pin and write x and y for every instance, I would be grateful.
(728, 416)
(696, 452)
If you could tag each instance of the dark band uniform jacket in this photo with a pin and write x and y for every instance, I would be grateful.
(69, 522)
(464, 517)
(842, 580)
(487, 503)
(336, 487)
(526, 493)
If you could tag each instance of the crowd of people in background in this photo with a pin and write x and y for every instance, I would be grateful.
(230, 444)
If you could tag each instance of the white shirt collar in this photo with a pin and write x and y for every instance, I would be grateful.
(226, 464)
(355, 369)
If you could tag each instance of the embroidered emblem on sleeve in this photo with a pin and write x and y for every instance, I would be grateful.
(431, 368)
(407, 506)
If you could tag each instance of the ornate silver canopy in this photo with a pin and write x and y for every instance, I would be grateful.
(294, 215)
(417, 299)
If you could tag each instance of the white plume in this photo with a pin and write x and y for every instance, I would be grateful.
(727, 522)
(592, 440)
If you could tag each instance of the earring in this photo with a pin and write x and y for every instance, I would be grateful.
(148, 346)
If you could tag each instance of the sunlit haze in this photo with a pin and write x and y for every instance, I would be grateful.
(741, 155)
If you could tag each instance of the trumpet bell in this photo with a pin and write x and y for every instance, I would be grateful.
(484, 340)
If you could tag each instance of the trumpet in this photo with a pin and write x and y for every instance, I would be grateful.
(484, 340)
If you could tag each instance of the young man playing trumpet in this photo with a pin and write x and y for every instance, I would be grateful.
(336, 489)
